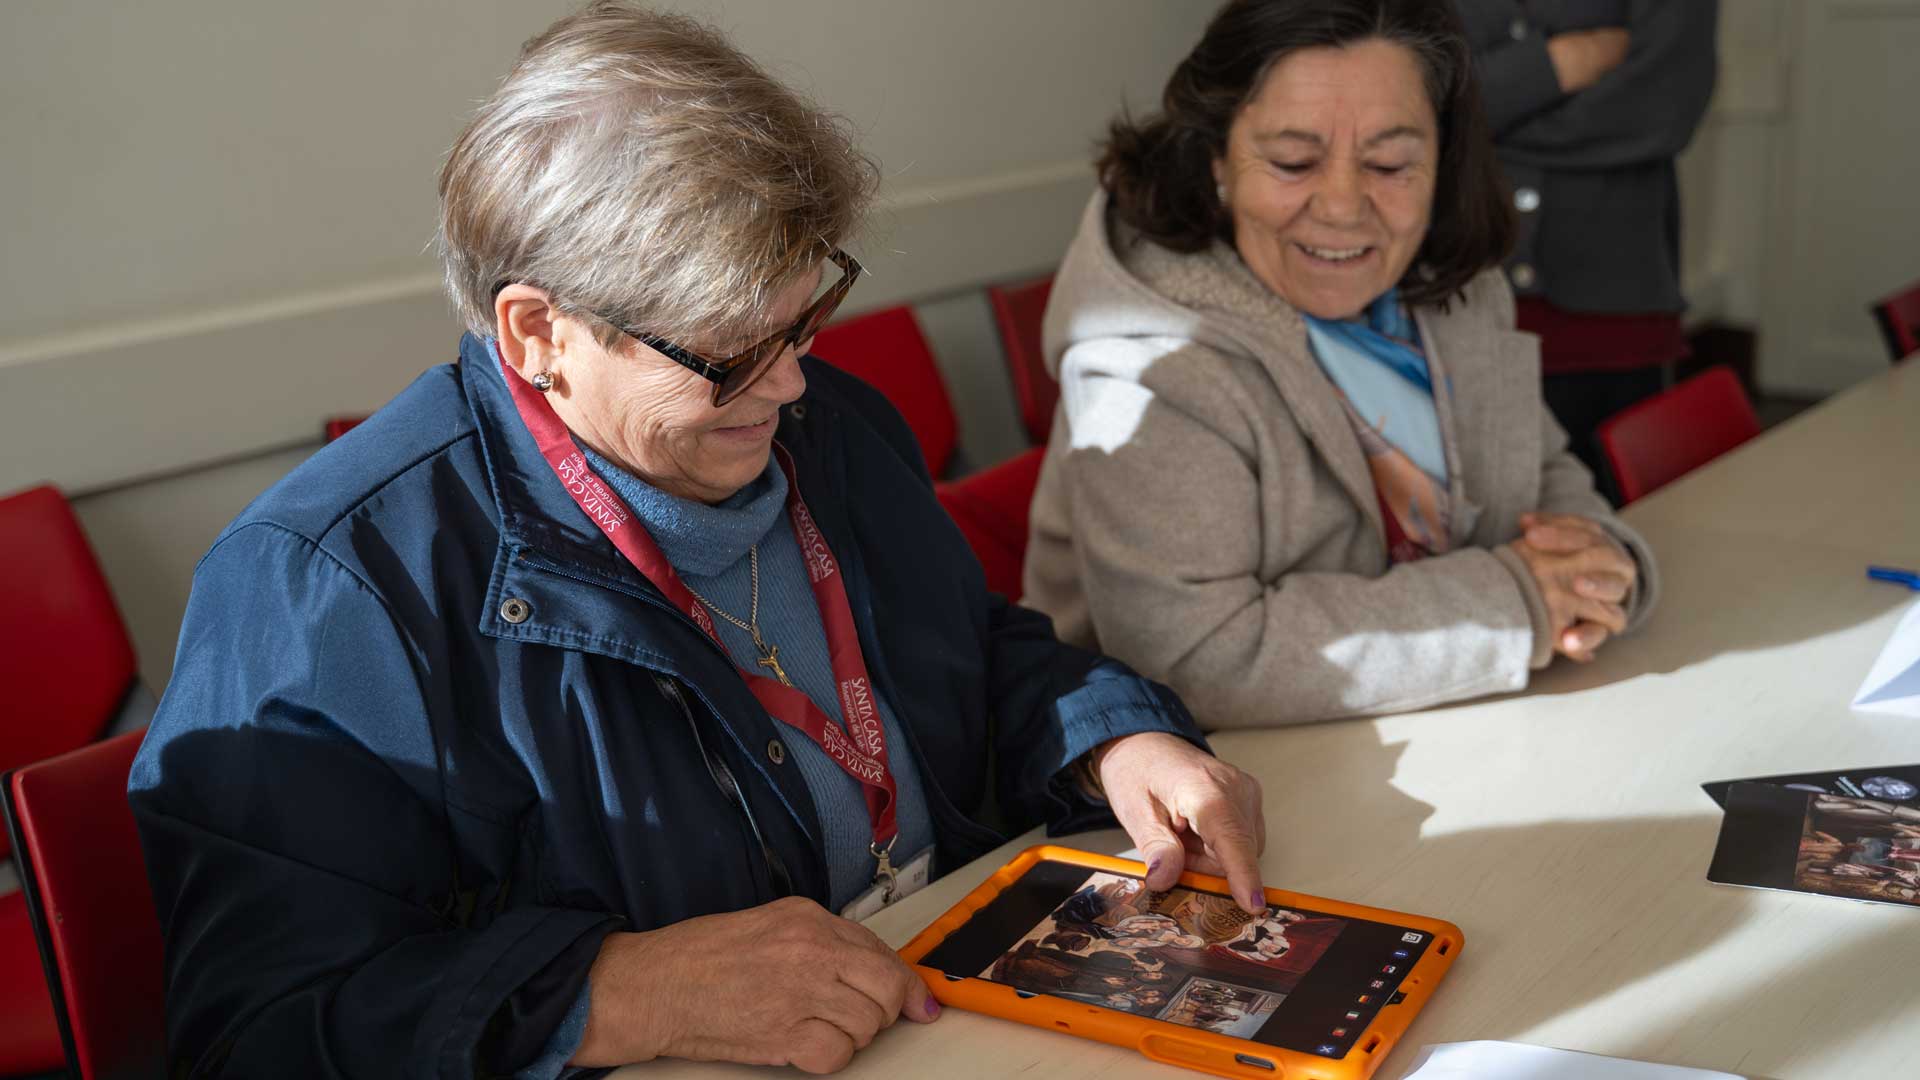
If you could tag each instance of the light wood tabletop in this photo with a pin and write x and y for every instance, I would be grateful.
(1564, 828)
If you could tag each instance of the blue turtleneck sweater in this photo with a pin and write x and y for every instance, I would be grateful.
(709, 548)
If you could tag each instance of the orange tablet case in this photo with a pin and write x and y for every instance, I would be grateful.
(1174, 1044)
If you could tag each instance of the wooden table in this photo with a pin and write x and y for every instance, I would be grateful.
(1564, 828)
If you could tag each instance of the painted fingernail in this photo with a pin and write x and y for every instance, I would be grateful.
(933, 1010)
(1153, 866)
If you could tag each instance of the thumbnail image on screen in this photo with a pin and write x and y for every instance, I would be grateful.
(1190, 958)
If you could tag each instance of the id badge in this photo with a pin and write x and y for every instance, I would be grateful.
(913, 876)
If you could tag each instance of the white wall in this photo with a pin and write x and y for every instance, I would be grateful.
(215, 216)
(1800, 190)
(1845, 200)
(214, 203)
(1726, 174)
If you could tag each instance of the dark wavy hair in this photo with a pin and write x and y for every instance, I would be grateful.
(1158, 172)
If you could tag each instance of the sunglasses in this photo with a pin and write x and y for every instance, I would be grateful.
(732, 375)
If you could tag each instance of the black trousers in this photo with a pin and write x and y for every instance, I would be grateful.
(1581, 401)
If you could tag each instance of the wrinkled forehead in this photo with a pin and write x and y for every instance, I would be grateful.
(1354, 92)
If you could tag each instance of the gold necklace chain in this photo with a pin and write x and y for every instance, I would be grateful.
(769, 654)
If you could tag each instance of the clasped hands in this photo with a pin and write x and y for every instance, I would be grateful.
(1584, 577)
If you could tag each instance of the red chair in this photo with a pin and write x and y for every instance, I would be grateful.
(67, 669)
(340, 425)
(85, 882)
(1899, 318)
(1656, 441)
(29, 1034)
(887, 349)
(66, 662)
(992, 508)
(1019, 310)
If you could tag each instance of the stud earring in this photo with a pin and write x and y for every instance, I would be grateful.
(543, 381)
(1220, 192)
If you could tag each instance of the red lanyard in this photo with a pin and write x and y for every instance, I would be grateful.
(864, 755)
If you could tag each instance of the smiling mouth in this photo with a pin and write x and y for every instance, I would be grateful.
(749, 429)
(1333, 255)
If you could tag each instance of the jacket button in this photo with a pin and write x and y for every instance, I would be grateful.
(1523, 276)
(1517, 30)
(515, 610)
(1526, 200)
(797, 410)
(776, 751)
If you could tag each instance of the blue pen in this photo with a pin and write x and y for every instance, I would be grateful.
(1896, 575)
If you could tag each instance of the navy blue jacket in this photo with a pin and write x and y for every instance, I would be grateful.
(389, 813)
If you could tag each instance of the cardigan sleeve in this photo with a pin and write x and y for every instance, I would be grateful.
(1518, 80)
(1642, 111)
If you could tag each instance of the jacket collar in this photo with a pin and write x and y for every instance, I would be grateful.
(536, 513)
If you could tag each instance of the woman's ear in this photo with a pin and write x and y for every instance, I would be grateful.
(526, 325)
(1222, 169)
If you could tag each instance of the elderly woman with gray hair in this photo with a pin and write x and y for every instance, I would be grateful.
(570, 710)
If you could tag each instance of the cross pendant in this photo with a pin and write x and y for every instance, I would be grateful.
(770, 659)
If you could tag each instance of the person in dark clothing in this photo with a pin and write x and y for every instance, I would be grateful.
(570, 710)
(1590, 101)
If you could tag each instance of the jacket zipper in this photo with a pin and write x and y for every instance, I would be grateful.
(657, 601)
(723, 778)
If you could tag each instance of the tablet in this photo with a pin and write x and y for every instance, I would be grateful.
(1075, 942)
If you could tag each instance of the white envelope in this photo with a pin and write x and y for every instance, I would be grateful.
(1518, 1061)
(1893, 686)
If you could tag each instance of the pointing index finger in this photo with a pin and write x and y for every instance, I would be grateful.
(1231, 838)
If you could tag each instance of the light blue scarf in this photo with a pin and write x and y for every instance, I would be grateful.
(1378, 364)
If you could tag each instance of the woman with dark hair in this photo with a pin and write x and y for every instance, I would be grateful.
(1301, 468)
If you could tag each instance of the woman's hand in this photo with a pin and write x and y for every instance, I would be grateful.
(1581, 57)
(1185, 810)
(1583, 577)
(786, 983)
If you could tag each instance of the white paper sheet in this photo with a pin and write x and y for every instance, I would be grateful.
(1893, 686)
(1518, 1061)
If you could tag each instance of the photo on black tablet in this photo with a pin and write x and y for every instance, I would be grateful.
(1299, 979)
(1832, 845)
(1190, 958)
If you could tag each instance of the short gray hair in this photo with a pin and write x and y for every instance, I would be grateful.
(641, 169)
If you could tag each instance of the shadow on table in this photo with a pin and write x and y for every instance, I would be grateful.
(1544, 907)
(1732, 593)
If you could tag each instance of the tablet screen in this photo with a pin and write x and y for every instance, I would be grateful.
(1296, 979)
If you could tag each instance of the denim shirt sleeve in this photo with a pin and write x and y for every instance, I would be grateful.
(552, 1062)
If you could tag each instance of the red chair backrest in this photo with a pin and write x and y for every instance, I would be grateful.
(887, 349)
(1653, 442)
(86, 886)
(1899, 317)
(992, 508)
(66, 661)
(1019, 310)
(340, 425)
(30, 1042)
